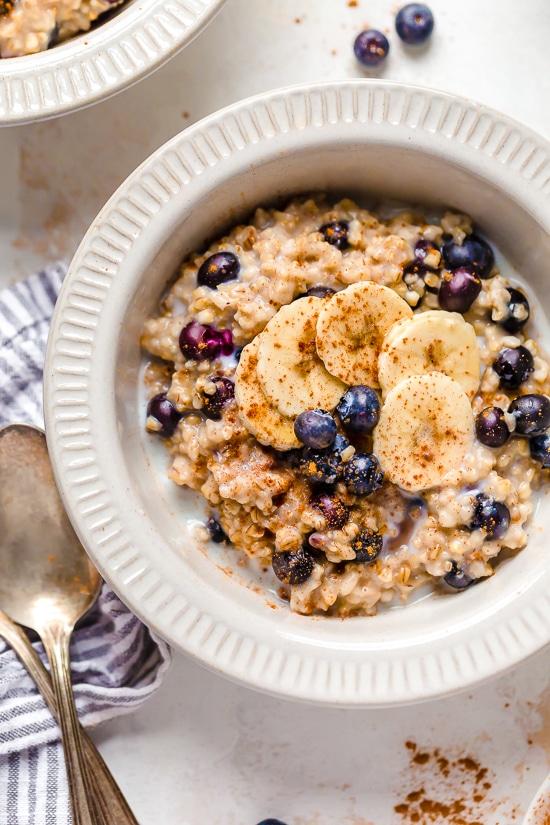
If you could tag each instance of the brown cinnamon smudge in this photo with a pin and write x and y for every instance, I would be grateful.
(445, 788)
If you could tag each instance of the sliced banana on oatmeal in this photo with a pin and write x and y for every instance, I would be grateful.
(290, 372)
(426, 427)
(351, 329)
(257, 414)
(433, 341)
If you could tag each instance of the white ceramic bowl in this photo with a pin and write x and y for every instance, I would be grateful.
(94, 65)
(362, 137)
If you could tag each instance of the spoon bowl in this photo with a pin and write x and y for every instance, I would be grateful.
(45, 570)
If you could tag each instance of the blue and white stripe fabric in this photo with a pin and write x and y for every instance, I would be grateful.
(116, 663)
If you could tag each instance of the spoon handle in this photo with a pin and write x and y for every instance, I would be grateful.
(55, 638)
(114, 807)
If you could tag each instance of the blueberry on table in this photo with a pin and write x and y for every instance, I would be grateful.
(367, 545)
(493, 517)
(359, 409)
(213, 403)
(513, 366)
(271, 822)
(491, 427)
(458, 291)
(518, 311)
(320, 291)
(293, 567)
(371, 47)
(336, 234)
(457, 578)
(216, 531)
(162, 416)
(414, 23)
(334, 510)
(539, 447)
(362, 474)
(532, 414)
(473, 253)
(315, 428)
(218, 269)
(200, 342)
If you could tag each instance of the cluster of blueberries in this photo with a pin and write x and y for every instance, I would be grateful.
(414, 24)
(321, 460)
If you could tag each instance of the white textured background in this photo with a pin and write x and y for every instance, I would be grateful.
(204, 751)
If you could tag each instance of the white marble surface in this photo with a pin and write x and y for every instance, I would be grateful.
(205, 750)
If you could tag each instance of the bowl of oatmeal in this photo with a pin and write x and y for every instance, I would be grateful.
(59, 57)
(297, 393)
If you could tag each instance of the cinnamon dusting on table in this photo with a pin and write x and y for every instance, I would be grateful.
(447, 789)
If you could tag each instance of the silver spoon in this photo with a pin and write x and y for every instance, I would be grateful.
(47, 584)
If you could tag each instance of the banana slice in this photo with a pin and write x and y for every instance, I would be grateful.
(434, 341)
(255, 411)
(351, 328)
(290, 372)
(426, 427)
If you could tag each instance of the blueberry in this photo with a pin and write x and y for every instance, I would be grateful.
(162, 416)
(422, 249)
(271, 822)
(362, 474)
(293, 567)
(539, 447)
(417, 508)
(336, 234)
(217, 269)
(316, 429)
(414, 23)
(320, 291)
(213, 403)
(217, 533)
(419, 269)
(53, 35)
(518, 311)
(493, 517)
(367, 545)
(225, 337)
(323, 466)
(371, 47)
(532, 414)
(359, 409)
(473, 253)
(237, 354)
(457, 578)
(513, 366)
(458, 292)
(334, 510)
(199, 342)
(491, 427)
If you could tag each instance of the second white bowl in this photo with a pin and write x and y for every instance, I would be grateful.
(97, 64)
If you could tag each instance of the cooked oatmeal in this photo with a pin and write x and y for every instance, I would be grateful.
(358, 399)
(29, 26)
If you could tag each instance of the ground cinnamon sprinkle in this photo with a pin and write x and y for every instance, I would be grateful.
(451, 789)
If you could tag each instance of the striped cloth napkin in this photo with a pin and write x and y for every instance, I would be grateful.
(116, 663)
